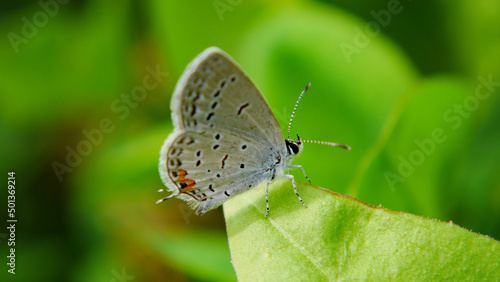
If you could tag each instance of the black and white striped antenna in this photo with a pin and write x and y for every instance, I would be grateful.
(332, 144)
(295, 108)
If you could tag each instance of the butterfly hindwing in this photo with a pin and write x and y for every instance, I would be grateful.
(207, 167)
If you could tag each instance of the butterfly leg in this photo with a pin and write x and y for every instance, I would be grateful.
(303, 171)
(267, 198)
(289, 176)
(267, 193)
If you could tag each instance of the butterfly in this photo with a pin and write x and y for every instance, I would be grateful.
(226, 140)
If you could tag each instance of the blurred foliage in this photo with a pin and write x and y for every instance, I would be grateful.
(66, 68)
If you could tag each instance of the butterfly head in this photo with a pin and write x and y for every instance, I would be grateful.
(294, 147)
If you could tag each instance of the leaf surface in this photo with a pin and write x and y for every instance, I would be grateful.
(340, 237)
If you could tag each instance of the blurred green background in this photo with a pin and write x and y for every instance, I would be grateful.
(411, 86)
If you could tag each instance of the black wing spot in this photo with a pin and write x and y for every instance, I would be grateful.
(192, 95)
(174, 173)
(224, 161)
(217, 136)
(183, 139)
(249, 185)
(198, 163)
(210, 115)
(216, 93)
(218, 175)
(227, 194)
(243, 147)
(197, 96)
(208, 170)
(215, 146)
(175, 152)
(211, 125)
(210, 187)
(214, 104)
(233, 78)
(191, 123)
(222, 84)
(242, 107)
(242, 165)
(198, 153)
(196, 80)
(193, 110)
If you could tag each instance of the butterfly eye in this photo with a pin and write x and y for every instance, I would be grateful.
(292, 147)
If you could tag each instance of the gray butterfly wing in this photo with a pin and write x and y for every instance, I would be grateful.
(226, 134)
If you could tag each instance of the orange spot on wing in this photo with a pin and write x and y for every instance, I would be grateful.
(189, 182)
(190, 186)
(182, 173)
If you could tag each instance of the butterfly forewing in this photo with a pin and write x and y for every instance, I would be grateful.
(214, 92)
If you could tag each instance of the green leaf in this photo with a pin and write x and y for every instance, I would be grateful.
(338, 236)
